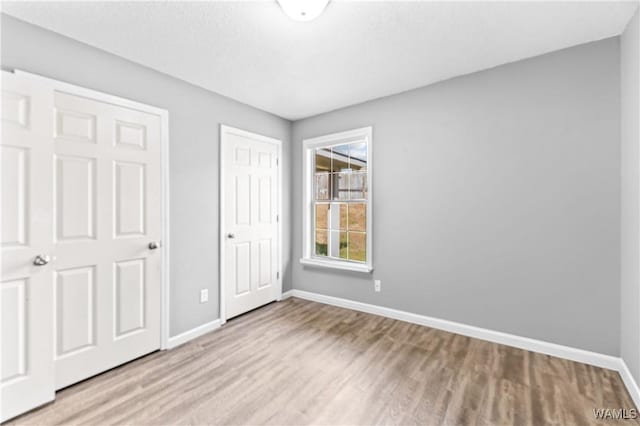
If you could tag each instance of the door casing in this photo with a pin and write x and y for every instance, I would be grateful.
(225, 129)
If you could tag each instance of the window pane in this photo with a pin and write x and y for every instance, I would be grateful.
(340, 158)
(322, 216)
(322, 187)
(321, 243)
(341, 186)
(338, 214)
(358, 246)
(344, 249)
(323, 160)
(358, 156)
(340, 208)
(358, 186)
(337, 239)
(357, 217)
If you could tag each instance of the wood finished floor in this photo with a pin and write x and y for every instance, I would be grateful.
(298, 362)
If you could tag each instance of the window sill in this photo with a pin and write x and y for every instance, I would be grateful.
(336, 264)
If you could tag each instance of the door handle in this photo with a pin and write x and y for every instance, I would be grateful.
(231, 236)
(153, 245)
(41, 260)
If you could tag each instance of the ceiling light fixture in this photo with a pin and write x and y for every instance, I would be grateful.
(303, 10)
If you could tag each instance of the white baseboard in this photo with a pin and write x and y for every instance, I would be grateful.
(553, 349)
(629, 382)
(286, 295)
(192, 334)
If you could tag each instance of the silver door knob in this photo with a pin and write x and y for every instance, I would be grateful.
(231, 236)
(41, 260)
(153, 245)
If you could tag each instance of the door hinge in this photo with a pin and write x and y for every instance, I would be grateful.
(277, 218)
(278, 275)
(277, 161)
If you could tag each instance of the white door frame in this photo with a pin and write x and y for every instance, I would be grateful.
(224, 129)
(164, 166)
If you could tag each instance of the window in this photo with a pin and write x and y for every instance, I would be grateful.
(337, 199)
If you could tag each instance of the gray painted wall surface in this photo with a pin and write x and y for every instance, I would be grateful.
(512, 218)
(497, 199)
(630, 200)
(195, 116)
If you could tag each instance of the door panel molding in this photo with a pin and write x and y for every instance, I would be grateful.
(242, 157)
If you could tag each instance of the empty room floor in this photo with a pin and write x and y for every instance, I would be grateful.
(300, 362)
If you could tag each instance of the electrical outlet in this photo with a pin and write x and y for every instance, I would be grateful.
(377, 285)
(204, 295)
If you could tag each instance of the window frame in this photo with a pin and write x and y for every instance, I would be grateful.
(309, 257)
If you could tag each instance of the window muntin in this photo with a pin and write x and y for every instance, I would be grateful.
(339, 202)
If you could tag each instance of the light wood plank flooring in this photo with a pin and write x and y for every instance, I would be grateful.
(298, 362)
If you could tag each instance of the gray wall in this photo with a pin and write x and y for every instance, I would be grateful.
(195, 116)
(630, 200)
(497, 199)
(516, 222)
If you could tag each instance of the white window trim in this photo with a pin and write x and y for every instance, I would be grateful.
(363, 134)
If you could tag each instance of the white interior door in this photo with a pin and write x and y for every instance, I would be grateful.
(107, 210)
(250, 216)
(26, 338)
(81, 226)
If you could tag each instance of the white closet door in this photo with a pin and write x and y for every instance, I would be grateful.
(250, 220)
(107, 210)
(26, 334)
(81, 226)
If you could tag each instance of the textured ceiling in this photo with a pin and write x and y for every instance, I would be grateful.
(355, 51)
